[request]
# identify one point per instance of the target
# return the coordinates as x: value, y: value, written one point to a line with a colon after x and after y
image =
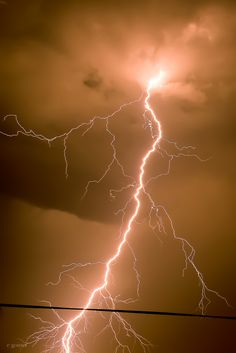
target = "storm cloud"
x: 64, y: 62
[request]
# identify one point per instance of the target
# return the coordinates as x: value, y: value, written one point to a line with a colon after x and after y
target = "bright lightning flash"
x: 66, y: 340
x: 67, y: 334
x: 157, y: 81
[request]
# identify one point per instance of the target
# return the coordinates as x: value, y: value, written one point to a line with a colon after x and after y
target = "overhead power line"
x: 122, y: 311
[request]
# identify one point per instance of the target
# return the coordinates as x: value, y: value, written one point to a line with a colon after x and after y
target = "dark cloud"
x: 93, y: 80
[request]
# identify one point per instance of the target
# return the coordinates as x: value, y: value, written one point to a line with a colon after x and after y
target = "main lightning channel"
x: 67, y: 337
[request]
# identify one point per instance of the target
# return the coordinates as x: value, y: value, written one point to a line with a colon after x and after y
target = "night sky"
x: 65, y: 62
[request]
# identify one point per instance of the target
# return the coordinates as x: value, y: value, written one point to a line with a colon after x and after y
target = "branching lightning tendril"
x: 67, y: 334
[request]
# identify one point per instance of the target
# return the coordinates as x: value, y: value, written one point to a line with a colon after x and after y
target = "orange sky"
x: 65, y: 62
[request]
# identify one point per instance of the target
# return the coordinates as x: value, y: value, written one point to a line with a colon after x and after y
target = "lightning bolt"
x: 69, y: 331
x: 66, y: 340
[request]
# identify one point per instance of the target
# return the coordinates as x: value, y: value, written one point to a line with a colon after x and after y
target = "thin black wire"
x: 124, y: 311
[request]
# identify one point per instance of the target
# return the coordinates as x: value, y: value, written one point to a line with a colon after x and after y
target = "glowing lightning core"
x: 66, y: 340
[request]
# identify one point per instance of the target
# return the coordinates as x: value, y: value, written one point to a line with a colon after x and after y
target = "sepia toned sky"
x: 64, y: 62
